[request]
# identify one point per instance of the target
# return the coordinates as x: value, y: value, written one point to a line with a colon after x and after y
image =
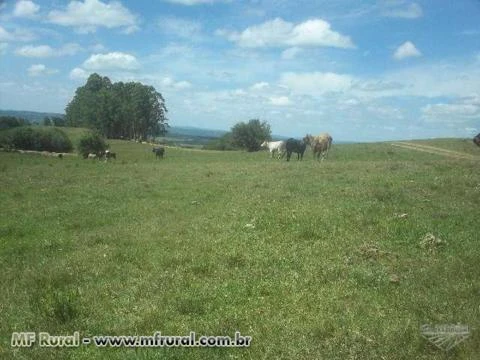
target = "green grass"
x: 137, y: 245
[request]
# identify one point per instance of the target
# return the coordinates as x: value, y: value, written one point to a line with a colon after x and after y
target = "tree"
x: 91, y: 143
x: 119, y: 110
x: 7, y: 122
x: 250, y: 135
x: 58, y: 121
x: 47, y: 121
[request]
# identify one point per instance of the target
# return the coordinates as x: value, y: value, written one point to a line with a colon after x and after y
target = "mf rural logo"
x: 445, y: 337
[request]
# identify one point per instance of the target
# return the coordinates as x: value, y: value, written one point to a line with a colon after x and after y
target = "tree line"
x: 118, y: 110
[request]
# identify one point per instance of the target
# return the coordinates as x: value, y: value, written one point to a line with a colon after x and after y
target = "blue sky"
x: 361, y: 70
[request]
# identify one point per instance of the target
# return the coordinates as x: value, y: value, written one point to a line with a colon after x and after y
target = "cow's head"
x: 476, y: 140
x: 308, y: 139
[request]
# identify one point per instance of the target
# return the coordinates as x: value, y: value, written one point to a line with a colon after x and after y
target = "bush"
x: 249, y: 136
x: 38, y: 139
x: 8, y: 122
x: 91, y: 143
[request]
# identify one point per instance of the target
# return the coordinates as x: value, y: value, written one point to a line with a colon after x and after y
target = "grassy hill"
x: 313, y: 260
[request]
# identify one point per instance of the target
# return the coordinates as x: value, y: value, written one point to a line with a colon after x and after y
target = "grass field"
x: 312, y: 260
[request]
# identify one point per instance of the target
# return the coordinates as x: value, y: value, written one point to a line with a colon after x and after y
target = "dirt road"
x: 436, y: 150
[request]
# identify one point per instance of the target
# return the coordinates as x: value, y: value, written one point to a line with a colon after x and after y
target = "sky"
x: 360, y: 70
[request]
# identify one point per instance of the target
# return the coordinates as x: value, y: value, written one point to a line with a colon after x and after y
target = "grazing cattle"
x: 159, y: 151
x: 275, y: 147
x: 476, y: 140
x: 92, y: 156
x: 110, y: 155
x: 320, y: 144
x: 296, y: 146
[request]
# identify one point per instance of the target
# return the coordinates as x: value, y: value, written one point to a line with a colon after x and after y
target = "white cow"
x: 275, y: 147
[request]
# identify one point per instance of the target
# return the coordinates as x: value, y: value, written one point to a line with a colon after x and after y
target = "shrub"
x: 38, y: 139
x: 249, y: 136
x: 8, y: 122
x: 91, y: 143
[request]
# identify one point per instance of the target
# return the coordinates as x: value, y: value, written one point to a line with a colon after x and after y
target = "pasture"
x: 312, y: 260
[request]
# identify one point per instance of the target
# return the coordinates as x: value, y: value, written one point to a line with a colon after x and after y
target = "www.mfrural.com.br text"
x: 45, y: 339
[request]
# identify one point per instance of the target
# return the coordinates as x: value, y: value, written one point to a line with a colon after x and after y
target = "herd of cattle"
x: 320, y: 145
x: 106, y: 155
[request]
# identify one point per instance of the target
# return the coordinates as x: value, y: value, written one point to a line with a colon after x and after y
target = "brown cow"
x: 320, y: 144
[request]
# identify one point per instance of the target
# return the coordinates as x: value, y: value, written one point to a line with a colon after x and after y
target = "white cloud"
x: 47, y: 51
x: 86, y: 16
x: 182, y: 85
x: 35, y: 51
x: 78, y: 74
x: 378, y: 85
x: 316, y: 83
x: 26, y: 8
x: 400, y: 9
x: 69, y: 49
x: 460, y: 111
x: 191, y: 2
x: 280, y: 33
x: 169, y: 82
x: 450, y: 112
x: 40, y: 69
x: 407, y: 49
x: 280, y: 100
x: 291, y: 53
x: 17, y: 35
x: 110, y: 61
x: 259, y: 86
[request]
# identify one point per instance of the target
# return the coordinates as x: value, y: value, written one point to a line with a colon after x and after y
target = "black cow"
x: 296, y: 146
x: 110, y: 155
x: 476, y: 140
x: 159, y: 151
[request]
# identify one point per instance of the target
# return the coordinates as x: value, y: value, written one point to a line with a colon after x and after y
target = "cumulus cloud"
x: 40, y: 69
x: 169, y: 82
x: 78, y: 74
x: 17, y: 35
x: 378, y: 85
x: 461, y: 110
x: 401, y: 9
x: 191, y: 2
x: 86, y: 16
x: 406, y: 50
x: 280, y: 33
x: 280, y: 100
x: 111, y: 61
x: 48, y: 51
x: 35, y: 51
x: 25, y: 8
x: 259, y: 86
x: 291, y: 53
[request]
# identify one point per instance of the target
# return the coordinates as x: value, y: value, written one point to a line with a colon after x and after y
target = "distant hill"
x: 31, y: 116
x: 186, y: 131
